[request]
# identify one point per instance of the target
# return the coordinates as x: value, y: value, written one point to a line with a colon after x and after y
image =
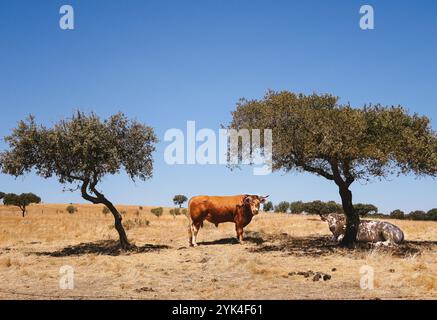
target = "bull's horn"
x: 265, y: 197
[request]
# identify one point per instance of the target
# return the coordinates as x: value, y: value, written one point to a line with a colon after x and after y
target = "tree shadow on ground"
x: 314, y: 246
x: 103, y: 247
x: 252, y: 239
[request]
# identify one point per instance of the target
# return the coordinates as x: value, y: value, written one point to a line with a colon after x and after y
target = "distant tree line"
x: 365, y: 210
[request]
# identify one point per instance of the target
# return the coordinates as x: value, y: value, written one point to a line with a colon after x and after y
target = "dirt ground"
x: 284, y: 257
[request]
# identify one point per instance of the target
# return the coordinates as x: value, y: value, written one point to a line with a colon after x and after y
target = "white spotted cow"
x: 378, y: 232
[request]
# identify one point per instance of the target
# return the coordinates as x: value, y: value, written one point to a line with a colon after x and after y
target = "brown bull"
x: 239, y: 209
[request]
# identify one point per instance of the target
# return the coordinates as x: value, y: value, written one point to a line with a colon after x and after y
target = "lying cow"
x: 379, y: 232
x: 239, y: 209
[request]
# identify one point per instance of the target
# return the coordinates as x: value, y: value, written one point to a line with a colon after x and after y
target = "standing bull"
x: 379, y: 232
x: 239, y: 209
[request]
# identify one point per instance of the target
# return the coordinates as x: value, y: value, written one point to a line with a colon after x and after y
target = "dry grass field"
x: 267, y: 266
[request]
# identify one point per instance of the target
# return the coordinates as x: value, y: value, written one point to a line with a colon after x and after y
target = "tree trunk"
x: 124, y: 242
x: 352, y: 218
x: 23, y: 211
x: 101, y: 199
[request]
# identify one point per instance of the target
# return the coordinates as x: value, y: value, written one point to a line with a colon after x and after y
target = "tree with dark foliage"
x: 364, y: 209
x: 179, y: 200
x: 397, y: 214
x: 21, y: 201
x: 81, y: 151
x: 268, y: 206
x: 282, y: 207
x: 314, y: 133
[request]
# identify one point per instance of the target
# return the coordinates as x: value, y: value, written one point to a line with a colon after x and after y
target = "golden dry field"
x: 267, y: 266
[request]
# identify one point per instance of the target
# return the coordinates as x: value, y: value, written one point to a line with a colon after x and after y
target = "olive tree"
x: 282, y: 207
x: 363, y: 209
x: 317, y: 134
x: 268, y: 206
x: 179, y: 200
x: 21, y: 201
x: 80, y: 151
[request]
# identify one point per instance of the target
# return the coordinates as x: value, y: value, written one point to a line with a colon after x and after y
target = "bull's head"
x: 336, y: 223
x: 252, y: 202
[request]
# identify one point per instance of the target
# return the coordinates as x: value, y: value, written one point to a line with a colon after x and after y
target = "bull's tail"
x: 190, y: 225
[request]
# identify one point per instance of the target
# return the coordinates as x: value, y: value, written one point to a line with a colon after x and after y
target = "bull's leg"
x: 194, y: 230
x: 239, y: 230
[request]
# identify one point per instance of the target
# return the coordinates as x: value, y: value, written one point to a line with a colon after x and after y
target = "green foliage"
x: 71, y: 209
x: 317, y: 134
x: 432, y: 214
x: 332, y: 207
x: 282, y: 207
x: 315, y: 207
x: 417, y: 215
x: 296, y: 207
x: 267, y: 206
x: 397, y: 214
x: 365, y: 209
x: 179, y: 199
x: 2, y: 195
x: 81, y: 148
x: 184, y: 211
x: 105, y: 210
x: 157, y: 211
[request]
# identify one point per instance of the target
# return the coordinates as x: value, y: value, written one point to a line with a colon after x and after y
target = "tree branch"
x: 319, y: 171
x: 336, y: 173
x: 85, y: 194
x: 347, y: 173
x: 93, y: 187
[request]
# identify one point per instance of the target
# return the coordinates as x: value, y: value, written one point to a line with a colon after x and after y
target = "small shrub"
x: 137, y: 213
x: 157, y: 211
x: 175, y: 212
x: 105, y: 210
x: 184, y: 211
x: 141, y: 207
x: 71, y: 209
x: 137, y: 222
x: 123, y: 212
x: 128, y: 224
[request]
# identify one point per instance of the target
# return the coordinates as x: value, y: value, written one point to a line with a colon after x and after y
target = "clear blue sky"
x: 166, y: 62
